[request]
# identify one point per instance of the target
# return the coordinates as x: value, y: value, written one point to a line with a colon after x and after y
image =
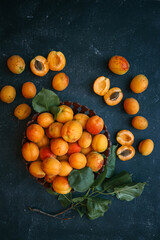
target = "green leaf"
x: 77, y: 199
x: 130, y: 191
x: 96, y: 207
x: 111, y: 161
x: 54, y: 110
x: 50, y: 191
x: 81, y: 180
x: 80, y: 210
x: 100, y: 178
x: 65, y: 199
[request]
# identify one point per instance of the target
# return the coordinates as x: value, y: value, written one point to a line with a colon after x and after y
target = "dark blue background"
x: 88, y: 33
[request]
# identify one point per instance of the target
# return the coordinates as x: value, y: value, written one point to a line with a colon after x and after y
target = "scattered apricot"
x: 30, y: 151
x: 77, y: 160
x: 99, y: 143
x: 95, y: 161
x: 45, y: 120
x: 146, y: 147
x: 50, y: 179
x: 95, y: 125
x: 66, y: 169
x: 29, y: 90
x: 101, y: 85
x: 61, y: 185
x: 85, y: 151
x: 22, y: 111
x: 85, y: 140
x: 139, y: 83
x: 82, y: 119
x: 73, y: 148
x: 125, y: 137
x: 63, y: 157
x: 35, y: 133
x: 55, y: 129
x: 71, y: 131
x: 65, y: 114
x: 36, y: 169
x: 125, y: 152
x: 139, y: 122
x: 39, y: 66
x: 113, y: 96
x: 44, y: 142
x: 60, y: 81
x: 8, y: 94
x: 59, y: 147
x: 131, y: 106
x: 56, y: 61
x: 16, y: 64
x: 51, y: 166
x: 45, y: 152
x: 118, y: 65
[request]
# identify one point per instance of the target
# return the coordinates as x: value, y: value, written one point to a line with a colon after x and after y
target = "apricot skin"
x: 61, y: 185
x: 55, y: 130
x: 59, y: 147
x: 85, y: 140
x: 22, y: 111
x: 101, y: 85
x: 73, y: 148
x: 99, y: 143
x: 29, y: 90
x: 8, y: 94
x: 51, y: 166
x: 139, y: 83
x: 118, y: 65
x: 35, y: 133
x: 63, y: 158
x: 44, y: 142
x: 66, y: 169
x: 30, y: 151
x: 131, y: 106
x: 65, y: 114
x: 95, y: 161
x: 45, y: 152
x: 82, y: 119
x: 71, y: 131
x: 36, y: 170
x: 146, y: 147
x: 139, y: 122
x: 49, y: 179
x: 16, y: 64
x: 45, y: 120
x: 56, y: 61
x: 60, y: 81
x: 77, y: 160
x: 125, y: 137
x: 85, y: 151
x: 95, y: 125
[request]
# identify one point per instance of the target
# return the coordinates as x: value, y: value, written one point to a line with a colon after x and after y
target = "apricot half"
x: 65, y: 114
x: 22, y: 111
x: 16, y: 64
x: 81, y: 118
x: 36, y: 169
x: 56, y: 61
x: 101, y: 85
x: 51, y: 166
x: 59, y: 147
x: 77, y: 160
x: 66, y: 169
x: 125, y: 152
x: 29, y: 90
x: 95, y: 125
x: 61, y: 185
x: 125, y: 137
x: 95, y: 161
x: 8, y: 94
x: 39, y: 66
x: 139, y: 83
x: 100, y: 143
x: 35, y: 133
x: 113, y: 96
x: 131, y: 106
x: 118, y: 65
x: 60, y: 81
x: 146, y: 147
x: 30, y: 151
x: 139, y: 122
x: 45, y: 120
x: 71, y: 131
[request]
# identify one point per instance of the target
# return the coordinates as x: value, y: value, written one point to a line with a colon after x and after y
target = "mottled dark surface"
x: 88, y: 33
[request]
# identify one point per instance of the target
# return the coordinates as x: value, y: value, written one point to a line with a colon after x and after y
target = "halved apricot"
x: 125, y: 152
x: 113, y: 96
x: 125, y: 137
x: 56, y: 61
x: 39, y: 66
x: 101, y: 85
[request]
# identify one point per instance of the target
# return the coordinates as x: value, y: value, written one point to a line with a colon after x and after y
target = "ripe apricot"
x: 113, y: 96
x: 61, y: 185
x: 30, y: 151
x: 118, y: 65
x: 36, y: 169
x: 101, y: 85
x: 99, y: 143
x: 45, y: 120
x: 22, y: 111
x: 44, y: 142
x: 95, y: 125
x: 16, y: 64
x: 95, y: 161
x: 29, y: 90
x: 55, y: 129
x: 66, y: 169
x: 59, y: 147
x: 131, y: 106
x: 45, y: 152
x: 146, y: 147
x: 51, y: 166
x: 125, y: 137
x: 47, y: 133
x: 85, y: 140
x: 82, y: 119
x: 77, y: 160
x: 56, y: 61
x: 39, y: 66
x: 71, y: 131
x: 60, y: 81
x: 125, y: 152
x: 139, y: 122
x: 8, y: 94
x: 85, y: 151
x: 63, y: 158
x: 35, y: 133
x: 73, y: 148
x: 65, y: 114
x: 50, y: 179
x: 139, y: 83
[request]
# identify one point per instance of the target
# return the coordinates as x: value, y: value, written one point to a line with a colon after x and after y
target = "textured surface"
x: 88, y: 33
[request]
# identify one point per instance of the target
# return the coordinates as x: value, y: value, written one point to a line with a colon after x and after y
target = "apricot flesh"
x: 45, y: 120
x: 101, y: 85
x: 125, y: 152
x: 125, y: 137
x: 77, y: 160
x: 39, y: 66
x: 113, y: 96
x: 51, y: 166
x: 82, y: 119
x: 22, y: 111
x: 95, y: 125
x: 29, y: 90
x: 60, y: 81
x: 139, y: 83
x: 131, y: 106
x: 146, y: 147
x: 16, y: 64
x: 30, y: 151
x: 8, y: 94
x: 65, y: 114
x: 61, y: 185
x: 139, y: 122
x: 85, y: 140
x: 118, y: 65
x: 56, y: 61
x: 100, y: 143
x: 71, y: 131
x: 55, y: 129
x: 35, y: 133
x: 95, y: 161
x: 36, y: 169
x: 59, y: 147
x: 66, y: 169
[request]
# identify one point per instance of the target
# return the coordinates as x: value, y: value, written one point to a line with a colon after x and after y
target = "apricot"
x: 44, y: 142
x: 16, y: 64
x: 131, y: 106
x: 59, y: 147
x: 55, y: 129
x: 30, y: 151
x: 85, y: 140
x: 61, y: 185
x: 45, y: 120
x: 71, y: 131
x: 8, y: 94
x: 39, y: 66
x: 66, y: 169
x: 146, y: 147
x: 118, y: 65
x: 101, y: 85
x: 47, y: 133
x: 82, y: 119
x: 113, y: 96
x: 45, y: 152
x: 36, y: 169
x: 95, y: 161
x: 139, y: 122
x: 56, y: 61
x: 65, y: 114
x: 60, y: 81
x: 73, y: 148
x: 50, y: 179
x: 22, y: 111
x: 77, y: 160
x: 35, y: 133
x: 85, y: 151
x: 125, y: 137
x: 100, y: 143
x: 29, y: 90
x: 139, y: 83
x: 95, y: 125
x: 63, y: 158
x: 125, y: 152
x: 51, y: 166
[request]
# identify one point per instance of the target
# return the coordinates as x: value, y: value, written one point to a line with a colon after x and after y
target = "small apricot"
x: 47, y: 133
x: 44, y: 142
x: 56, y: 61
x: 45, y: 120
x: 16, y: 64
x: 36, y: 169
x: 8, y: 94
x: 85, y: 151
x: 35, y: 133
x: 63, y: 158
x: 82, y: 119
x: 71, y: 131
x: 85, y: 140
x: 51, y: 166
x: 29, y: 90
x: 118, y: 65
x: 95, y: 125
x: 99, y: 143
x: 39, y: 66
x: 65, y: 114
x: 125, y: 152
x: 73, y: 148
x: 101, y: 85
x: 59, y: 147
x: 139, y: 122
x: 113, y: 96
x: 55, y: 129
x: 131, y: 106
x: 45, y: 152
x: 66, y: 169
x: 30, y: 151
x: 95, y: 161
x: 60, y: 81
x: 125, y: 137
x: 146, y: 147
x: 77, y: 160
x: 22, y: 111
x: 61, y: 185
x: 50, y: 179
x: 139, y: 83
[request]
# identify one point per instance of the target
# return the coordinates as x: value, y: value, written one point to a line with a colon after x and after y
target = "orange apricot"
x: 77, y: 160
x: 55, y: 129
x: 22, y: 111
x: 118, y: 65
x: 113, y: 96
x: 125, y: 137
x: 36, y: 169
x: 66, y: 169
x: 47, y: 133
x: 60, y: 81
x: 146, y: 147
x: 8, y: 94
x: 95, y: 125
x: 44, y: 142
x: 51, y: 166
x: 39, y: 66
x: 50, y: 179
x: 82, y: 119
x: 59, y: 147
x: 35, y: 133
x: 29, y: 90
x: 100, y: 143
x: 85, y: 151
x: 125, y: 152
x: 73, y: 148
x: 139, y: 83
x: 65, y: 114
x: 45, y: 152
x: 56, y: 61
x: 16, y: 64
x: 71, y: 131
x: 139, y: 122
x: 85, y: 140
x: 63, y: 157
x: 61, y: 185
x: 131, y: 106
x: 30, y: 151
x: 101, y: 85
x: 45, y: 120
x: 95, y: 161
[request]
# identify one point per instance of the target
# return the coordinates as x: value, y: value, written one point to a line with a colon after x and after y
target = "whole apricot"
x: 101, y: 85
x: 100, y: 143
x: 73, y: 148
x: 131, y: 106
x: 60, y: 81
x: 65, y: 114
x: 113, y: 96
x: 85, y: 151
x: 47, y: 133
x: 29, y: 90
x: 16, y: 64
x: 56, y: 61
x: 95, y: 125
x: 125, y: 152
x: 146, y: 147
x: 59, y: 147
x: 61, y: 185
x: 139, y: 122
x: 49, y: 179
x: 36, y: 169
x: 8, y: 94
x: 63, y: 158
x: 44, y: 142
x: 125, y: 137
x: 51, y: 166
x: 45, y: 152
x: 82, y: 119
x: 35, y: 133
x: 22, y: 111
x: 66, y: 169
x: 139, y: 83
x: 118, y: 65
x: 95, y: 161
x: 71, y: 131
x: 55, y: 129
x: 30, y: 151
x: 45, y: 120
x: 85, y: 140
x: 39, y: 66
x: 77, y: 160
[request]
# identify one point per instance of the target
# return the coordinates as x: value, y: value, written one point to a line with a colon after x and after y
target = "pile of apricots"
x: 55, y: 148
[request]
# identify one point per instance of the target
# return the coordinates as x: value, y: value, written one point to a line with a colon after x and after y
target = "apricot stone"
x: 125, y: 152
x: 113, y: 96
x: 39, y: 66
